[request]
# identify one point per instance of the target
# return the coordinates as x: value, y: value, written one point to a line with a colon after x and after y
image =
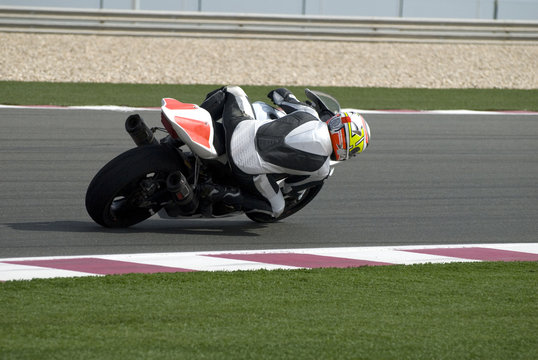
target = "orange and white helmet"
x: 350, y: 134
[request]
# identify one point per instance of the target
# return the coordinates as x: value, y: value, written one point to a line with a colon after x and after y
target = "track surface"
x: 426, y: 179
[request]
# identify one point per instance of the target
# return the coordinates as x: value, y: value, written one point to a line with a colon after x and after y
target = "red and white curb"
x: 74, y: 266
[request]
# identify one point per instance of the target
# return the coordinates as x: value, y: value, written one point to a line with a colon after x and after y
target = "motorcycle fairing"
x: 193, y: 126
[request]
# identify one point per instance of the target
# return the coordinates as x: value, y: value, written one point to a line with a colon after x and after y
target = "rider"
x: 299, y: 144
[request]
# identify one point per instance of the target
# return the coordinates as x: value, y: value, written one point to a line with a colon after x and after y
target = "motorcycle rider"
x: 300, y: 144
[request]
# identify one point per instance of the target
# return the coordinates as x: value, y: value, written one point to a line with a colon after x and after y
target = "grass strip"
x: 449, y: 311
x: 149, y: 95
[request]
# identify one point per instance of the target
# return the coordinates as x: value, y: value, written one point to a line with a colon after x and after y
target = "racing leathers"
x: 265, y: 143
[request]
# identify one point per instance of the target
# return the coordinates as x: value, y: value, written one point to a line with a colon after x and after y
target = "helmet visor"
x: 358, y: 140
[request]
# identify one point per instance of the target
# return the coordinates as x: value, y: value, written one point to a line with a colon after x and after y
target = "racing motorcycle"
x: 166, y: 176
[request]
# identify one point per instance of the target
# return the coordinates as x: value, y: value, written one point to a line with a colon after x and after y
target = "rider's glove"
x: 278, y: 96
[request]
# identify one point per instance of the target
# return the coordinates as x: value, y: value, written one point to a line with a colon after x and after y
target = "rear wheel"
x: 292, y: 206
x: 132, y: 186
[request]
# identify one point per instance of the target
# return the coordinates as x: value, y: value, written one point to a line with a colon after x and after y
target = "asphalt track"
x: 426, y: 179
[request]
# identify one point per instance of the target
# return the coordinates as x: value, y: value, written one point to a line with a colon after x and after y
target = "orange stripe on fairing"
x: 197, y: 130
x: 173, y: 104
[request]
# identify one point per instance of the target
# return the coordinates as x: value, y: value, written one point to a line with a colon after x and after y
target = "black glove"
x: 280, y: 95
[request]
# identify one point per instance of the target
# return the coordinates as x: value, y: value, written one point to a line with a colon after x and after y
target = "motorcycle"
x: 165, y: 176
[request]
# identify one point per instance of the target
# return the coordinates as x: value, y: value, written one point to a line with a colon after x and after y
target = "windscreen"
x: 325, y: 104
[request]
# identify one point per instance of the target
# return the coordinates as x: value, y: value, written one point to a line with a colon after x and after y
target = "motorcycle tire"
x: 291, y: 207
x: 112, y: 198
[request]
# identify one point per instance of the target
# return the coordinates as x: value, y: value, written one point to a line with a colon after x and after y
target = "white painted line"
x: 393, y: 256
x: 25, y: 272
x: 89, y: 107
x: 442, y: 112
x: 194, y: 261
x: 522, y: 247
x: 361, y: 111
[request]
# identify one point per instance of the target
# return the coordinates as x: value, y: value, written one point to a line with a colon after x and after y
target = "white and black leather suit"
x: 297, y: 144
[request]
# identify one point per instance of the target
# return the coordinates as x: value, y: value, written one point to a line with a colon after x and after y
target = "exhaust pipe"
x: 183, y: 194
x: 139, y: 131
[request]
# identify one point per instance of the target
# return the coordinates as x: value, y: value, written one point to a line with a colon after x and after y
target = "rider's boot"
x: 214, y: 103
x: 234, y: 197
x: 228, y: 195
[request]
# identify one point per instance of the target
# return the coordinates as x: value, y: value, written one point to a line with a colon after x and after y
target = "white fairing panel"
x: 193, y: 125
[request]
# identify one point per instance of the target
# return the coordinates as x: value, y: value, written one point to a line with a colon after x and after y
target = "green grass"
x: 450, y: 311
x: 40, y: 93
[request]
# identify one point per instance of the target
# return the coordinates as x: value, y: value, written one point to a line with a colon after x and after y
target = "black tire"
x: 111, y: 195
x: 291, y: 207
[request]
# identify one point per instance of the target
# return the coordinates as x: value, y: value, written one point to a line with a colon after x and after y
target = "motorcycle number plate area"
x: 193, y: 125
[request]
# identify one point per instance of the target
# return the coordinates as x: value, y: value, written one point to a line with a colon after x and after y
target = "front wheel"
x: 132, y: 186
x: 292, y: 206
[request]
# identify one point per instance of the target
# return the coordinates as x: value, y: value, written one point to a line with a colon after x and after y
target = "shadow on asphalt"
x: 185, y: 227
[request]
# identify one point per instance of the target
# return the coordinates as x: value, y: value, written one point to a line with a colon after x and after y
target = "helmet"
x: 350, y: 134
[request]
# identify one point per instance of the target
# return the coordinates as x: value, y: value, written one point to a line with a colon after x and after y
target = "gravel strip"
x: 124, y: 59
